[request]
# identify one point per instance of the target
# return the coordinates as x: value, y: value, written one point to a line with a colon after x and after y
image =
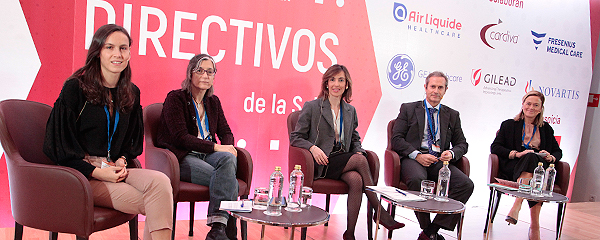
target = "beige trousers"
x: 144, y: 191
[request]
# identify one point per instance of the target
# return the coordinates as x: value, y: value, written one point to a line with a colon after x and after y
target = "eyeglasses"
x: 210, y: 71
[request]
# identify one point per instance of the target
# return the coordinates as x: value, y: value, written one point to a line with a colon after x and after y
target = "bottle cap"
x: 298, y: 167
x: 445, y: 162
x: 551, y: 164
x: 540, y: 164
x: 277, y: 168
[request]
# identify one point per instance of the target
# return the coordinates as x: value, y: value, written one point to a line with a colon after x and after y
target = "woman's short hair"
x: 539, y: 119
x: 192, y: 67
x: 332, y: 71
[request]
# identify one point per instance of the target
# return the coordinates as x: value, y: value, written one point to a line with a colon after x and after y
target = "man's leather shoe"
x: 217, y: 232
x: 423, y: 236
x: 231, y: 229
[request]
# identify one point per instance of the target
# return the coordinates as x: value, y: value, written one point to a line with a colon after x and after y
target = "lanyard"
x: 341, y: 122
x: 523, y: 137
x: 432, y: 128
x: 200, y: 123
x: 111, y: 134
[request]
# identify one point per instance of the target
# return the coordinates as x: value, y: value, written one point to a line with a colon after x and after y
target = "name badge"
x: 435, y: 148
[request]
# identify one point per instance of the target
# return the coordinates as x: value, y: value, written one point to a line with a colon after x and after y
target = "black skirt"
x: 337, y: 163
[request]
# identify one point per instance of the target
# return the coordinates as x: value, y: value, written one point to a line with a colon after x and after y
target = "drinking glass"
x: 306, y: 197
x: 261, y: 198
x: 427, y: 187
x: 524, y: 186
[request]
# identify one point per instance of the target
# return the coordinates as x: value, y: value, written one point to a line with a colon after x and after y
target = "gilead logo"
x: 475, y: 76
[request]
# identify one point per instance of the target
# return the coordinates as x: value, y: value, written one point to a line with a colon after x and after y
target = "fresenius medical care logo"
x: 497, y: 35
x: 428, y: 23
x: 538, y: 38
x: 400, y: 71
x: 556, y: 45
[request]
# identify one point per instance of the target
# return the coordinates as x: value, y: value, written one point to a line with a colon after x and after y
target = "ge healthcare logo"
x: 400, y: 71
x: 400, y: 12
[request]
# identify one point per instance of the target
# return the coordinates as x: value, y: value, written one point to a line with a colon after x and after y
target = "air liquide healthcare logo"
x: 427, y: 23
x: 493, y: 84
x: 400, y: 71
x: 553, y: 92
x: 497, y: 34
x: 556, y: 45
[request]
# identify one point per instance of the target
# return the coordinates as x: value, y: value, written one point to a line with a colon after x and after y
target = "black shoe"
x: 423, y: 236
x: 217, y: 232
x: 231, y: 229
x: 439, y: 237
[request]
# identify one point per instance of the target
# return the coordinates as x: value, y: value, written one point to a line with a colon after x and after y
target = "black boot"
x: 217, y: 232
x: 231, y: 229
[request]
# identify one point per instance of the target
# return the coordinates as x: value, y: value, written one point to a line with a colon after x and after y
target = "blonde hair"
x: 539, y: 119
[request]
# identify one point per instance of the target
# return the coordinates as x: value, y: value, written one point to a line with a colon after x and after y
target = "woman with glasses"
x: 327, y: 128
x: 520, y: 144
x: 192, y: 118
x: 96, y: 126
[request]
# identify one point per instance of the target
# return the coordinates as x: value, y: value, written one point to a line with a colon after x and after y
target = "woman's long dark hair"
x: 90, y: 75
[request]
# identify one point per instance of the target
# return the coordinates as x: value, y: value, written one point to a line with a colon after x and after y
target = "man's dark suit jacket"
x: 410, y: 124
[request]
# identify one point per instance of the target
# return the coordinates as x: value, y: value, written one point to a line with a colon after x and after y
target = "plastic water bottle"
x: 295, y: 192
x: 443, y: 183
x: 538, y: 180
x: 275, y: 193
x: 549, y: 177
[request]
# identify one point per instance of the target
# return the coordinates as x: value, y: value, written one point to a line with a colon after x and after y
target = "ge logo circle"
x: 400, y: 71
x: 399, y: 12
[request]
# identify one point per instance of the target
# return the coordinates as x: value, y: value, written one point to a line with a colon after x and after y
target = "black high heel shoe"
x: 511, y: 220
x: 347, y: 236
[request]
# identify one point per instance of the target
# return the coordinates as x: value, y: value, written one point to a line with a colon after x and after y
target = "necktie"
x: 430, y: 136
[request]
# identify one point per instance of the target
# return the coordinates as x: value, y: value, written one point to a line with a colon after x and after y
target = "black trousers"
x: 461, y: 188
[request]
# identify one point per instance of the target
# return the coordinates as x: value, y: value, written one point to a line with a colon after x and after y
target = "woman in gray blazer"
x: 327, y: 128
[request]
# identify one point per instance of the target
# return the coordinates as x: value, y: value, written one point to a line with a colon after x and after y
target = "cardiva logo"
x: 400, y: 71
x: 500, y: 36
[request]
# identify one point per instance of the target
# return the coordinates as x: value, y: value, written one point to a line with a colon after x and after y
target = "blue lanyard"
x: 341, y: 122
x: 432, y: 128
x: 111, y: 134
x: 523, y: 137
x: 200, y: 123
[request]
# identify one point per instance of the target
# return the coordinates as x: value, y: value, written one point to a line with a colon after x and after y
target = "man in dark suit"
x: 426, y: 133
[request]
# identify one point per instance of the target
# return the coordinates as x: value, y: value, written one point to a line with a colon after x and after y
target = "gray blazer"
x: 410, y: 124
x: 315, y: 127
